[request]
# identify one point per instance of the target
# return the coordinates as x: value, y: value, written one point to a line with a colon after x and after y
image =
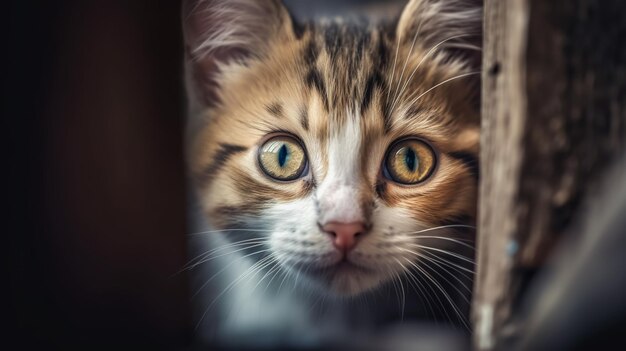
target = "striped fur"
x: 347, y: 90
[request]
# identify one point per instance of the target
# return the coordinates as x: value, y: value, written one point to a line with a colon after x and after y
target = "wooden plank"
x: 503, y: 120
x: 554, y: 118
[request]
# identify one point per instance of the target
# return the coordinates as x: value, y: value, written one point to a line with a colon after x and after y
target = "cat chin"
x: 345, y: 281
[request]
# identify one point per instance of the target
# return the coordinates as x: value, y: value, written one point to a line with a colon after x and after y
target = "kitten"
x: 334, y: 163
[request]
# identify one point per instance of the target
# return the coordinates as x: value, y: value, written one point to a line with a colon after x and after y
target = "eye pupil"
x: 283, y: 154
x: 410, y: 159
x: 282, y: 158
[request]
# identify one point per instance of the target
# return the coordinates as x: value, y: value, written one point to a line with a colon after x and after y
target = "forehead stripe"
x: 275, y: 109
x: 373, y: 82
x: 310, y: 53
x: 314, y: 80
x: 222, y: 155
x: 304, y: 117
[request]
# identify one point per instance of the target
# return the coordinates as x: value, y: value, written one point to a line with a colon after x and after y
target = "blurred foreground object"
x: 554, y: 95
x: 577, y: 302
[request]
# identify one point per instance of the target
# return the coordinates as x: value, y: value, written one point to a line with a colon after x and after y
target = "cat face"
x: 335, y: 144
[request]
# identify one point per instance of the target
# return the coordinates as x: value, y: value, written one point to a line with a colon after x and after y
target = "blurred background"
x: 93, y: 94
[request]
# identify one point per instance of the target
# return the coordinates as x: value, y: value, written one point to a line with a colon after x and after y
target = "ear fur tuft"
x: 455, y: 25
x: 221, y: 31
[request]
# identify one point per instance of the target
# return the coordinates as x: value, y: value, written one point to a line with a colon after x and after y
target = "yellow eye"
x: 410, y: 161
x: 282, y: 158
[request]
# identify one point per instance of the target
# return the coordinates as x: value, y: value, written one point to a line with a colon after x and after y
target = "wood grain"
x: 553, y: 119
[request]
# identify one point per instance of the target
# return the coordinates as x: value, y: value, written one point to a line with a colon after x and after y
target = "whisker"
x: 223, y: 269
x: 270, y: 271
x: 453, y: 254
x: 406, y: 61
x: 205, y: 256
x: 255, y: 268
x: 463, y: 46
x: 417, y: 288
x: 288, y: 272
x: 228, y: 230
x: 414, y: 282
x: 210, y: 258
x: 441, y: 306
x: 265, y: 275
x: 279, y: 270
x: 422, y: 61
x: 442, y: 83
x: 395, y: 59
x: 439, y: 228
x: 403, y: 297
x: 445, y: 294
x: 225, y: 246
x: 395, y: 288
x: 463, y: 284
x: 462, y: 270
x: 419, y: 255
x: 456, y: 241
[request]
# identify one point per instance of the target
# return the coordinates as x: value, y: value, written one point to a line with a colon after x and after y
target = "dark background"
x: 92, y: 107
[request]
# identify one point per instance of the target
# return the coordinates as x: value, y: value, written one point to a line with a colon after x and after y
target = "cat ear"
x: 222, y: 31
x: 452, y: 25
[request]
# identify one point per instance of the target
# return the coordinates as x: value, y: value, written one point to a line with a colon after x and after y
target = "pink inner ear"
x: 200, y: 22
x: 455, y: 25
x: 222, y: 31
x: 204, y: 72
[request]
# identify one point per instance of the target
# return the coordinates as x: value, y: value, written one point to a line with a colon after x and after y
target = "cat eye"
x: 282, y: 158
x: 409, y: 161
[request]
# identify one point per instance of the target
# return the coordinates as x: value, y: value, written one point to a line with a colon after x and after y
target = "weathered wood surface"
x: 503, y: 118
x: 554, y: 117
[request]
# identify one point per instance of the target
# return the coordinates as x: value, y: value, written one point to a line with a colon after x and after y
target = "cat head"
x: 335, y: 144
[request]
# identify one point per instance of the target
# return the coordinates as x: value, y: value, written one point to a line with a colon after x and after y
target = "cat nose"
x: 344, y: 235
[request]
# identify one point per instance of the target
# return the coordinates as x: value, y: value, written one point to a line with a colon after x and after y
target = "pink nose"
x: 344, y: 235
